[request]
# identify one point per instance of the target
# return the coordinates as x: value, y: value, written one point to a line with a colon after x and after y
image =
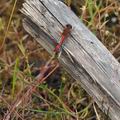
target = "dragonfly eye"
x: 69, y: 26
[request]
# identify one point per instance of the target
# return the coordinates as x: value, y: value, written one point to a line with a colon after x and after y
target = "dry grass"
x: 21, y: 59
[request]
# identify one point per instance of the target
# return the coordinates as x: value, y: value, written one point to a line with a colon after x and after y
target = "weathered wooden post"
x: 83, y: 55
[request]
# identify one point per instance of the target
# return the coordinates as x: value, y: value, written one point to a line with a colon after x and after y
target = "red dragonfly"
x: 64, y: 35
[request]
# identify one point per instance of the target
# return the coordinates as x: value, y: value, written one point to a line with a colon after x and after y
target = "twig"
x: 10, y: 106
x: 98, y: 118
x: 40, y: 78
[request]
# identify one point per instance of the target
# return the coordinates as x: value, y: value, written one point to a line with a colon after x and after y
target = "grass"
x: 9, y: 22
x: 16, y: 70
x: 93, y: 9
x: 23, y: 51
x: 22, y: 58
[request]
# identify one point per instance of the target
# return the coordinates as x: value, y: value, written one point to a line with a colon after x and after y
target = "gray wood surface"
x: 83, y: 55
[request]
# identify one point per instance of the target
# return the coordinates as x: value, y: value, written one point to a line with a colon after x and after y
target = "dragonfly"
x: 64, y: 35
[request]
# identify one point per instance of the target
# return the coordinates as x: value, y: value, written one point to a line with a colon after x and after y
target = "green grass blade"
x: 16, y: 69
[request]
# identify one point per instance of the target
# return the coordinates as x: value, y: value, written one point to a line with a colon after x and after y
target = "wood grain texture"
x: 83, y: 55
